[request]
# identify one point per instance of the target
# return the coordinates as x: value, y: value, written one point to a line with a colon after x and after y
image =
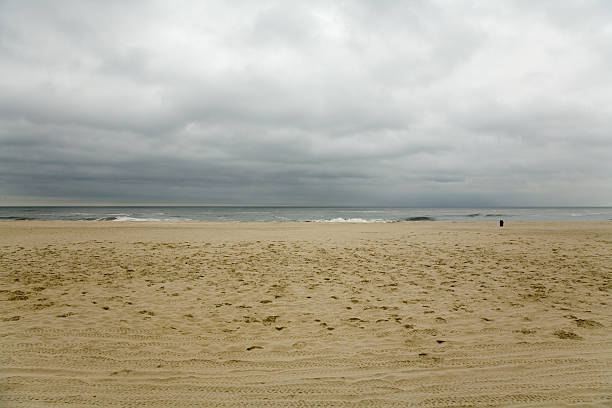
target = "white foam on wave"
x: 360, y: 220
x: 142, y: 219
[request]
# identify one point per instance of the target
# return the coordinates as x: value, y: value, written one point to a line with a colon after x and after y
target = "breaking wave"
x: 360, y: 220
x: 420, y: 219
x: 128, y: 218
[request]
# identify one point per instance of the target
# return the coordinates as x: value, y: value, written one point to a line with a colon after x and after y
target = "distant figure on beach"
x: 501, y: 223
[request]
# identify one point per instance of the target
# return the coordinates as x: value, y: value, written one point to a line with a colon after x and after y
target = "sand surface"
x: 310, y: 315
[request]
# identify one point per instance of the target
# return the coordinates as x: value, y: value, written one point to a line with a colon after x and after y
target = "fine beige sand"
x: 303, y: 314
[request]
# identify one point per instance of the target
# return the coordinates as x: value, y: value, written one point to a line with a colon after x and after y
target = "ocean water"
x: 305, y: 214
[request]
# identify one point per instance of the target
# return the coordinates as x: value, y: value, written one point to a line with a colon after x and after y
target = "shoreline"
x: 204, y: 222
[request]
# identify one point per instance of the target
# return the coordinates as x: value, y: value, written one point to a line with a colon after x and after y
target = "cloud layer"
x: 407, y: 103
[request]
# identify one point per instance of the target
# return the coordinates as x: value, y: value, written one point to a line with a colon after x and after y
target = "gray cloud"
x: 321, y: 103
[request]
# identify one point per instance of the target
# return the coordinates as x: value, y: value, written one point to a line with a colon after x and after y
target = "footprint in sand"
x: 269, y: 320
x: 122, y: 372
x: 562, y: 334
x: 526, y: 331
x: 147, y: 312
x: 17, y: 295
x: 586, y: 323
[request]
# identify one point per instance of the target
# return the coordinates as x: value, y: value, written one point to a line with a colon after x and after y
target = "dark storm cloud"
x: 368, y: 103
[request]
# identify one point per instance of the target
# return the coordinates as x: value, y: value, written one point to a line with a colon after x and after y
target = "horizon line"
x: 288, y: 205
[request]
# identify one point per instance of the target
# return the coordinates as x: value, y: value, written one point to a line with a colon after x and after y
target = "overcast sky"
x: 390, y: 103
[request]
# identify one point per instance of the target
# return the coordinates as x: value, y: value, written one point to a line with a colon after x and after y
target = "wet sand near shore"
x: 115, y: 314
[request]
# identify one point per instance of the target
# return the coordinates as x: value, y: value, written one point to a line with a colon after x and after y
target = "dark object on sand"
x: 501, y: 223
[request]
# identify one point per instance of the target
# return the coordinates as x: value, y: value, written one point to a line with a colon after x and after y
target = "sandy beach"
x: 305, y: 314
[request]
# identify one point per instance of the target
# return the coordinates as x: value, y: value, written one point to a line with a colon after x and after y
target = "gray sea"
x: 304, y: 214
